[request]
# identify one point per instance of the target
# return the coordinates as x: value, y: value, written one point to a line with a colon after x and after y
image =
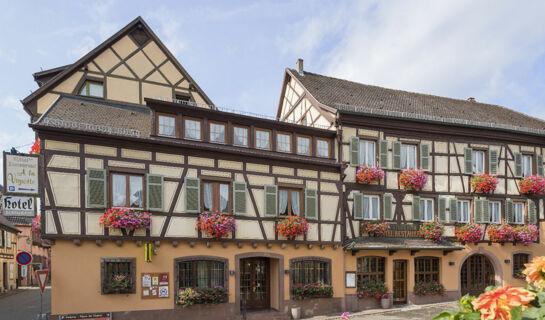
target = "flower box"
x: 371, y: 289
x: 37, y: 225
x: 375, y: 228
x: 413, y: 179
x: 484, y: 182
x: 428, y: 288
x: 189, y: 296
x: 312, y: 290
x: 368, y: 175
x: 532, y: 186
x: 468, y: 233
x: 500, y: 233
x: 292, y: 227
x: 525, y: 234
x: 216, y: 225
x: 119, y: 283
x: 125, y: 219
x: 432, y: 231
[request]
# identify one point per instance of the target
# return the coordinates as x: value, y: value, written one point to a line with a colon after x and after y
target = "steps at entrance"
x: 267, y: 314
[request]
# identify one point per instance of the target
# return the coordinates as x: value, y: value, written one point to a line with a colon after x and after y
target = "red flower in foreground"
x: 497, y: 303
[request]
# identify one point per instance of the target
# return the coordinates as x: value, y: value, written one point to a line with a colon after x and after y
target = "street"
x: 24, y: 304
x: 414, y: 312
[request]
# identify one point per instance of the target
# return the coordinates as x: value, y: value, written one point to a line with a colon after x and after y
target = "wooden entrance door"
x: 255, y: 283
x: 400, y: 280
x: 477, y: 273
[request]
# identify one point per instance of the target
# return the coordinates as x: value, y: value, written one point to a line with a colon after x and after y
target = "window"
x: 322, y: 148
x: 426, y: 210
x: 8, y: 239
x: 201, y: 274
x: 215, y: 196
x: 426, y: 269
x: 303, y: 145
x: 92, y: 89
x: 192, y: 129
x: 166, y: 125
x: 263, y: 139
x: 526, y: 165
x: 240, y: 136
x: 2, y: 232
x: 127, y: 190
x: 519, y: 260
x: 118, y: 275
x: 370, y: 269
x: 310, y: 271
x: 408, y: 156
x: 182, y: 98
x: 371, y: 208
x: 463, y: 208
x: 217, y: 132
x: 518, y: 212
x: 290, y: 202
x: 494, y: 207
x: 477, y: 159
x: 283, y: 142
x: 367, y: 153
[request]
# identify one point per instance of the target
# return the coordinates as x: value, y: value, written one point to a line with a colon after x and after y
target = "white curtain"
x: 207, y: 197
x: 295, y: 202
x: 374, y: 211
x: 283, y: 201
x: 224, y: 197
x: 119, y: 186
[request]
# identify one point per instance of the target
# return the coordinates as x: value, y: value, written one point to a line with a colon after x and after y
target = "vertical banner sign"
x: 21, y: 174
x: 149, y: 251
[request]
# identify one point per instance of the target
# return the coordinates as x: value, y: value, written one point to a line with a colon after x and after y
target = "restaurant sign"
x: 21, y: 174
x: 18, y: 206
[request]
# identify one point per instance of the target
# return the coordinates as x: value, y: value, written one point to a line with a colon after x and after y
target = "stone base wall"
x: 355, y: 304
x: 314, y: 307
x: 448, y: 296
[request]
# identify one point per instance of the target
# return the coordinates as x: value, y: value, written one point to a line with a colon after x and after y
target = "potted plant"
x: 484, y: 182
x: 432, y: 231
x: 413, y: 179
x: 296, y: 312
x: 500, y: 233
x: 125, y: 219
x: 385, y: 301
x: 532, y: 186
x: 525, y: 234
x: 292, y: 226
x: 119, y: 283
x: 217, y: 225
x: 468, y: 233
x: 375, y: 228
x: 367, y: 175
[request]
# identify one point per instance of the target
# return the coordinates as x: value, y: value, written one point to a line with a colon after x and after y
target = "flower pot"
x: 385, y: 303
x: 296, y: 313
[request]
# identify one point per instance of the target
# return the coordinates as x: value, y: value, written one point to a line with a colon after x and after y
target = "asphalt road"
x: 24, y: 304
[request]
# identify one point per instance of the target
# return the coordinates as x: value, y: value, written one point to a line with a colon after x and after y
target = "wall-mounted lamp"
x: 232, y: 272
x: 507, y: 261
x: 287, y: 271
x: 451, y: 263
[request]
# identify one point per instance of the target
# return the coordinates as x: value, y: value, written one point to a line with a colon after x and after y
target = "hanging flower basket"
x: 127, y: 219
x: 35, y: 149
x: 413, y: 179
x: 432, y: 231
x: 484, y: 182
x: 367, y: 175
x: 468, y: 233
x: 500, y: 233
x: 532, y: 186
x: 217, y: 225
x: 375, y: 228
x: 292, y: 227
x: 526, y: 234
x: 37, y: 225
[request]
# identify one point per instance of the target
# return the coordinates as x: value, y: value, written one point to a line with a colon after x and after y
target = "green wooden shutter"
x: 239, y: 197
x: 416, y: 208
x: 532, y: 214
x: 192, y: 194
x: 96, y: 188
x: 425, y: 157
x: 477, y: 211
x: 493, y: 161
x: 453, y: 210
x: 354, y: 151
x: 154, y: 192
x: 358, y: 206
x: 383, y: 154
x: 518, y: 164
x: 388, y: 206
x: 509, y: 211
x: 468, y: 161
x: 396, y: 155
x: 311, y: 204
x: 486, y: 211
x: 539, y: 165
x: 271, y: 201
x: 442, y: 205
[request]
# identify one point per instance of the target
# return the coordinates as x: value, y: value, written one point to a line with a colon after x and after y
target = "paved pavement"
x: 424, y: 312
x: 24, y: 304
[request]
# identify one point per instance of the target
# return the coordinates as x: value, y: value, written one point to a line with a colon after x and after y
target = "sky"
x: 237, y: 50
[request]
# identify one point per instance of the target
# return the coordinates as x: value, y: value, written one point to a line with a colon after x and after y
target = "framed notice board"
x: 154, y: 285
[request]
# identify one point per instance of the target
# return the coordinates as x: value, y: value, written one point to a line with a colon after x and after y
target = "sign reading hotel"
x: 21, y: 175
x: 18, y: 206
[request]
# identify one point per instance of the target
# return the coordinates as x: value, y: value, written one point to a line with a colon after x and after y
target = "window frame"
x: 270, y: 138
x: 127, y: 174
x: 416, y: 154
x: 9, y: 240
x: 523, y: 213
x: 375, y: 158
x: 499, y: 203
x: 196, y: 259
x: 422, y: 214
x: 518, y: 266
x: 484, y: 160
x: 216, y: 193
x: 233, y: 127
x: 314, y: 260
x: 377, y: 275
x: 184, y: 136
x: 289, y: 208
x: 225, y: 133
x: 178, y: 95
x: 369, y: 196
x: 86, y: 84
x: 459, y: 208
x: 328, y: 141
x: 104, y: 275
x: 432, y: 273
x: 278, y: 134
x: 532, y: 163
x: 310, y: 149
x: 170, y: 115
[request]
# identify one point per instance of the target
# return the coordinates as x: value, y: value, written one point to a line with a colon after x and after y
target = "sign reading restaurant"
x: 18, y: 206
x: 21, y: 174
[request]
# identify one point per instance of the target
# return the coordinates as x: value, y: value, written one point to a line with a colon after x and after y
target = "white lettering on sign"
x: 18, y: 206
x: 21, y: 174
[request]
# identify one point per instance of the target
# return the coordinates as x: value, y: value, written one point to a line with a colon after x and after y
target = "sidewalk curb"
x: 412, y: 307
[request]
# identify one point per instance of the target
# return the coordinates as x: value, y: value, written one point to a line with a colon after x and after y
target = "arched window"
x: 371, y: 269
x: 426, y: 269
x: 311, y: 270
x: 519, y: 259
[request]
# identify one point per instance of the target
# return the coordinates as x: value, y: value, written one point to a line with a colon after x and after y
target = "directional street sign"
x: 23, y: 258
x: 42, y: 278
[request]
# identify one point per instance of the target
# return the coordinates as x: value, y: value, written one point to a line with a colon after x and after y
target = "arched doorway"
x: 476, y: 274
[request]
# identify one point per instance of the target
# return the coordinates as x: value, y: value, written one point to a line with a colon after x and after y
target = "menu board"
x: 154, y: 285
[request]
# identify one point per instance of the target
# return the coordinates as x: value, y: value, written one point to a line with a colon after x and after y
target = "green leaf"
x: 516, y: 313
x: 464, y: 304
x: 490, y: 288
x: 445, y: 315
x: 532, y: 313
x: 470, y: 316
x: 541, y: 298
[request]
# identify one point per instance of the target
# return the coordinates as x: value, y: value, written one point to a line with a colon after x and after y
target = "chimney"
x: 471, y: 99
x: 299, y: 66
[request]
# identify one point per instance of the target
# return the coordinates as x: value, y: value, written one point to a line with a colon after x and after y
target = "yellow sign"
x: 149, y: 251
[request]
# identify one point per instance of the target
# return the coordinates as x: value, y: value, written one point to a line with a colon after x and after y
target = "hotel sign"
x: 18, y: 206
x: 21, y: 174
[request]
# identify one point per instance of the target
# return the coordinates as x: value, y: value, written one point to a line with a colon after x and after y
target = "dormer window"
x: 92, y: 88
x: 166, y: 125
